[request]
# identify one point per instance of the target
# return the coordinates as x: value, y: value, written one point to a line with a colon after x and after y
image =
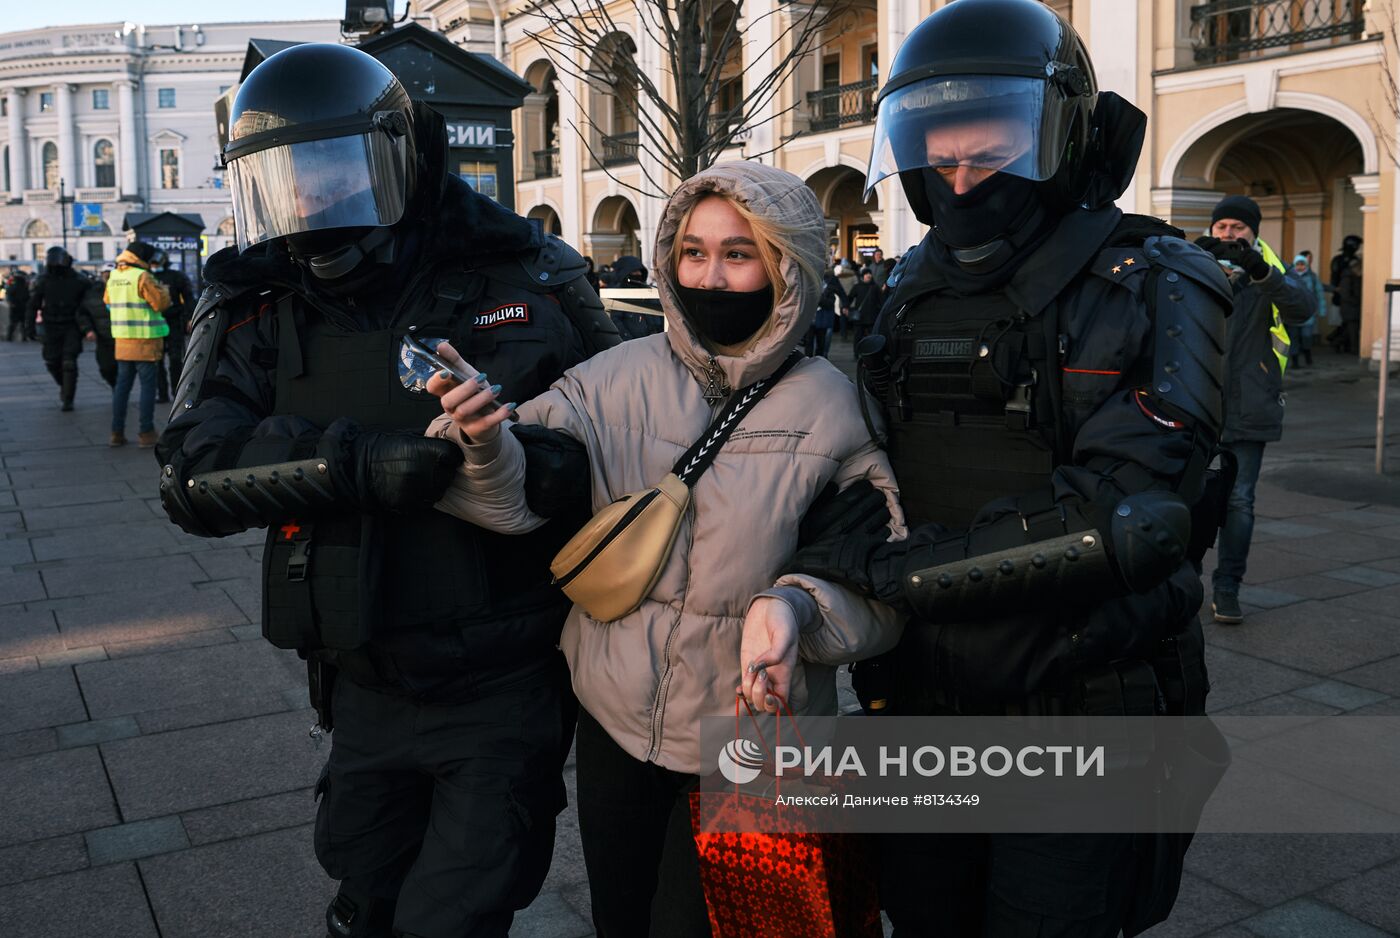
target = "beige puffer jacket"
x: 649, y: 677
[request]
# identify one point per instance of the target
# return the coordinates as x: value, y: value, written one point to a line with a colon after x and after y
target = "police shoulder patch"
x: 502, y: 315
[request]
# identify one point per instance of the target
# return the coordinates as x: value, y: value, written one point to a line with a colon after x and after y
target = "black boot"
x: 69, y: 385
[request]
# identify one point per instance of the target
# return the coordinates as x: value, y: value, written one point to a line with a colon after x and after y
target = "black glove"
x: 860, y: 509
x: 392, y: 472
x: 1238, y: 252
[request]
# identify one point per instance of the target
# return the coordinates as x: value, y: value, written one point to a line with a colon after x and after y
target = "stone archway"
x: 615, y: 231
x: 852, y: 221
x: 548, y: 219
x: 541, y: 130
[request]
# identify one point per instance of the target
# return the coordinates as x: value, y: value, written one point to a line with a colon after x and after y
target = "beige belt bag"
x: 614, y: 561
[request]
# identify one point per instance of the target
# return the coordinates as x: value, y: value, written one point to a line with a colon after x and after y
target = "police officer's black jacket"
x: 59, y: 293
x: 181, y: 296
x: 1096, y: 418
x: 274, y: 362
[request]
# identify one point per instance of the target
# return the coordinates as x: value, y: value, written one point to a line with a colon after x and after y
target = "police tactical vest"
x: 132, y: 316
x: 969, y: 419
x: 339, y: 580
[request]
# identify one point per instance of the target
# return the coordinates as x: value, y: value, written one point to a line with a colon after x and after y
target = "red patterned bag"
x: 788, y: 883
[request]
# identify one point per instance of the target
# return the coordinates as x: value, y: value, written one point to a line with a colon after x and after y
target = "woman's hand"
x: 768, y: 653
x: 469, y: 405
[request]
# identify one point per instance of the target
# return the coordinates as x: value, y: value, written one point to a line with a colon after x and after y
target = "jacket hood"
x: 769, y: 193
x: 131, y: 260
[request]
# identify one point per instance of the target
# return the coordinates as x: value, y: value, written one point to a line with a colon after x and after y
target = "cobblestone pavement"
x: 154, y: 758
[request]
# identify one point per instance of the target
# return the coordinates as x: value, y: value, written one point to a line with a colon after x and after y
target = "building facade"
x: 120, y: 118
x: 1289, y: 101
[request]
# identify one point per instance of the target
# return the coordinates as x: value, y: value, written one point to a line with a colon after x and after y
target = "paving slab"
x: 131, y: 616
x: 1308, y: 918
x: 21, y: 587
x: 1367, y: 576
x: 1345, y: 547
x: 172, y: 574
x: 280, y: 889
x: 15, y: 551
x: 254, y: 816
x: 1381, y: 676
x: 228, y: 564
x: 1315, y: 636
x: 1372, y: 516
x: 53, y: 793
x: 218, y: 710
x: 99, y: 903
x: 72, y: 656
x: 148, y: 538
x: 135, y: 840
x: 1269, y: 562
x: 1200, y: 907
x: 1321, y: 585
x: 185, y: 678
x: 183, y: 770
x: 1339, y: 694
x: 173, y: 641
x: 1271, y: 869
x: 42, y: 858
x: 80, y: 516
x: 1238, y: 678
x: 32, y: 699
x: 60, y: 496
x: 1373, y: 897
x: 549, y: 916
x: 26, y: 633
x: 28, y: 743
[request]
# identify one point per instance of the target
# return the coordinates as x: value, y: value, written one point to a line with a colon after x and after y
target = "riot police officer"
x: 1050, y: 373
x: 301, y: 409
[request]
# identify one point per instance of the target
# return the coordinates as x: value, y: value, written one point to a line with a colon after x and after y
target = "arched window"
x: 38, y: 228
x: 226, y: 228
x: 48, y: 158
x: 104, y: 165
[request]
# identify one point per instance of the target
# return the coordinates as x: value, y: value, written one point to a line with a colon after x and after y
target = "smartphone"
x: 462, y: 374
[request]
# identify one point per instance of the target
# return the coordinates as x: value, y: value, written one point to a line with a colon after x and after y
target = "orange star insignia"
x: 1118, y: 270
x: 1129, y: 262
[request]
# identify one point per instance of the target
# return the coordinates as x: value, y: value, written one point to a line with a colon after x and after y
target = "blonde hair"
x: 770, y: 236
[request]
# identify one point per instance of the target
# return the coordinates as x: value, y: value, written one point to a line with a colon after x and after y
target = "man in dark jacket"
x: 865, y: 305
x: 1256, y: 354
x: 1349, y: 303
x: 17, y: 298
x: 818, y: 338
x: 1051, y: 384
x: 59, y: 295
x: 303, y: 410
x: 177, y: 316
x: 96, y: 321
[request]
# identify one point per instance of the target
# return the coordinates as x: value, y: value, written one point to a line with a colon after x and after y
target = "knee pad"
x: 353, y: 914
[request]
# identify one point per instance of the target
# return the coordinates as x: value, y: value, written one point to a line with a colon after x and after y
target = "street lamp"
x: 62, y: 215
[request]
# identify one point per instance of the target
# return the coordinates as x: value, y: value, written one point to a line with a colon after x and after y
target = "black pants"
x: 17, y: 325
x: 1006, y: 885
x: 638, y: 844
x: 105, y: 351
x: 175, y: 360
x: 447, y: 809
x: 63, y: 343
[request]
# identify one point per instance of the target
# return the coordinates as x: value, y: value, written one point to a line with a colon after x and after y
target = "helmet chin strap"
x: 378, y: 245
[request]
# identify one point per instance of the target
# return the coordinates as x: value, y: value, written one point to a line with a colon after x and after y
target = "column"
x: 758, y: 53
x: 1375, y: 270
x: 1308, y: 211
x: 571, y: 221
x: 19, y: 146
x: 1188, y: 209
x: 654, y: 172
x: 1273, y: 225
x: 67, y: 164
x: 127, y: 179
x: 534, y: 135
x: 1116, y: 67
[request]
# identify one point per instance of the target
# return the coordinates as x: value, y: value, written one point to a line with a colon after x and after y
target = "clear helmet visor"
x: 999, y: 123
x: 355, y: 181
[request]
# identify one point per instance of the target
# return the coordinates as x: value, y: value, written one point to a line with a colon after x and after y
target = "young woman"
x: 739, y: 251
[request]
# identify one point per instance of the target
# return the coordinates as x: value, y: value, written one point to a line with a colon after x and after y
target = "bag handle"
x: 699, y: 457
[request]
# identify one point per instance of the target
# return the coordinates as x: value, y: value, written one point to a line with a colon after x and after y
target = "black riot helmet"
x: 321, y: 153
x: 57, y: 257
x: 1006, y: 86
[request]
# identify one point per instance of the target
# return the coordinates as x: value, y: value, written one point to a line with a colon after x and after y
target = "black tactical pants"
x: 174, y: 360
x: 1006, y: 885
x: 448, y: 809
x: 62, y: 346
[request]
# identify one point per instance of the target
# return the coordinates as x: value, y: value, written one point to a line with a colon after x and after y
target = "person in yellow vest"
x: 1267, y: 305
x: 135, y: 300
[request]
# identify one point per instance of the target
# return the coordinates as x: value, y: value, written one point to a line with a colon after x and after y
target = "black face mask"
x: 995, y: 209
x: 725, y: 317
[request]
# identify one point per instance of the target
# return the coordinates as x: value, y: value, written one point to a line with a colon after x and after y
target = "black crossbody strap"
x: 699, y: 457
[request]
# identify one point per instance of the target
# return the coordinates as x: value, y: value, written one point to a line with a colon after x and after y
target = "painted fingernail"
x: 481, y: 378
x: 444, y: 374
x: 495, y: 389
x: 511, y: 407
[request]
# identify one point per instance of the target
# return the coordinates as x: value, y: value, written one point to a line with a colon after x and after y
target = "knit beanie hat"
x: 1240, y: 208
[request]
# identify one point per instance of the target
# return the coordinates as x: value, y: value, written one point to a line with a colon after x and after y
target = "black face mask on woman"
x: 725, y: 317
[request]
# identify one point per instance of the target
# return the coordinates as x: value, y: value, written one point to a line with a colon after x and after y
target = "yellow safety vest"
x: 1278, y: 334
x: 132, y: 316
